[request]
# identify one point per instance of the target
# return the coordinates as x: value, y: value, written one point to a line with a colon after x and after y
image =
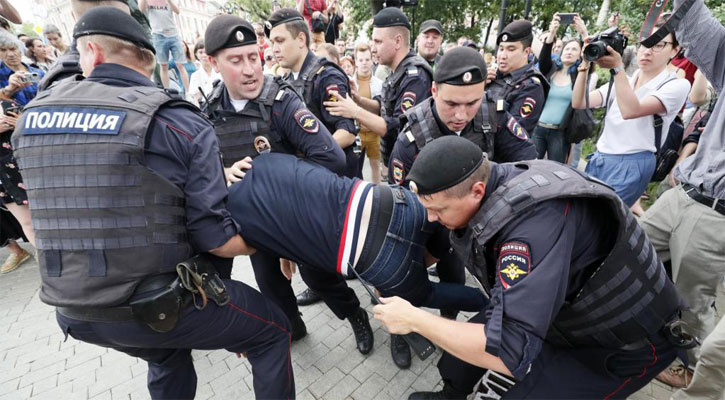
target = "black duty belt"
x: 123, y: 313
x: 380, y: 215
x: 716, y: 204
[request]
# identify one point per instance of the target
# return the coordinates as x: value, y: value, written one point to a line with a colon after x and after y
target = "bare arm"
x: 173, y: 6
x: 9, y: 12
x: 235, y: 246
x: 301, y: 6
x: 698, y: 92
x: 143, y: 5
x: 343, y: 138
x: 577, y: 98
x: 630, y: 106
x: 463, y: 340
x: 345, y: 107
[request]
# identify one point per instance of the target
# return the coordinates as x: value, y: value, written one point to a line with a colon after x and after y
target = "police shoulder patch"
x: 527, y: 107
x: 398, y: 171
x: 329, y: 90
x: 516, y: 129
x: 408, y: 101
x: 307, y: 121
x: 514, y: 263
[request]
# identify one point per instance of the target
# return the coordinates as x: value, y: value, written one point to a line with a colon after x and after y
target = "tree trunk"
x: 603, y: 12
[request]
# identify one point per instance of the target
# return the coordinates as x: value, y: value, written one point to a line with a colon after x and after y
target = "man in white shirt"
x: 203, y: 79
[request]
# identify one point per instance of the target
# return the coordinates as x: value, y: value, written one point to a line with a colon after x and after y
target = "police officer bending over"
x: 516, y: 89
x: 127, y: 186
x: 580, y: 304
x: 456, y: 108
x: 317, y: 79
x: 255, y: 114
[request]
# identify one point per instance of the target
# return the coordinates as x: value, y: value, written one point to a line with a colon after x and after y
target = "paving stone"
x: 325, y: 383
x: 20, y: 394
x: 342, y: 389
x: 305, y: 395
x: 45, y: 385
x: 9, y: 386
x: 62, y: 392
x: 329, y: 360
x: 124, y: 389
x: 309, y: 358
x: 304, y: 377
x: 370, y: 389
x: 35, y: 376
x: 400, y: 383
x: 107, y: 378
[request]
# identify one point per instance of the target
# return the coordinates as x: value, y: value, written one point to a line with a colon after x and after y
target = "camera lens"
x: 595, y: 50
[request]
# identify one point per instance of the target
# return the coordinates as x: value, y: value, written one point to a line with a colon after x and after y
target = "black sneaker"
x: 308, y: 297
x: 362, y: 330
x: 400, y: 351
x: 448, y: 393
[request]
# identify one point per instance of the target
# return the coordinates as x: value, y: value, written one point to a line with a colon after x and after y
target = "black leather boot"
x: 362, y: 330
x: 400, y: 351
x: 308, y: 297
x: 299, y: 329
x: 448, y: 393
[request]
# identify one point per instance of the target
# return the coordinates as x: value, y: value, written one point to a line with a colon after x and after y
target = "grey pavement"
x: 36, y: 362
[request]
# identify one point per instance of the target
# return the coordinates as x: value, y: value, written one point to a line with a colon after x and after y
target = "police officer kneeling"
x: 580, y: 304
x: 127, y: 187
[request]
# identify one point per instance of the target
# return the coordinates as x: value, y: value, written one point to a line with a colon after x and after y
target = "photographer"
x: 18, y: 81
x: 625, y: 156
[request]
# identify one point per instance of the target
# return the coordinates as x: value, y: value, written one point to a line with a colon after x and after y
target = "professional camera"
x: 598, y: 45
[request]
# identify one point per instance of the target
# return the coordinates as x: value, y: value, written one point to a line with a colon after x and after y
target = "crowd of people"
x: 151, y: 172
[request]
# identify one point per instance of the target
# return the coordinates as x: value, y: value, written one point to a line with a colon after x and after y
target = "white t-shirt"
x: 201, y: 79
x: 161, y: 18
x: 239, y: 104
x: 636, y: 135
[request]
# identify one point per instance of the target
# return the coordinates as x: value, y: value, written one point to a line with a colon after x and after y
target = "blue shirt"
x: 23, y: 96
x: 292, y: 208
x: 556, y: 104
x: 182, y: 147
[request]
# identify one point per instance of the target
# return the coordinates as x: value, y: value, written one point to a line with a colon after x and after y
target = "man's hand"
x: 342, y: 106
x: 288, y: 268
x: 7, y: 122
x: 236, y: 172
x: 612, y: 60
x: 396, y: 314
x: 491, y: 74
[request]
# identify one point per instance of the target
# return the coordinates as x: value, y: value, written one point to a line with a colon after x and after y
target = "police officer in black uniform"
x: 254, y: 114
x: 456, y: 109
x: 580, y: 303
x: 516, y: 89
x: 317, y: 79
x: 127, y: 185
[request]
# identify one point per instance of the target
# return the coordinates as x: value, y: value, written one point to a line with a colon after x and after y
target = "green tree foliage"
x: 259, y: 10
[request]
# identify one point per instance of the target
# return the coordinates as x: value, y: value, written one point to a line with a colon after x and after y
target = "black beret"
x: 460, y: 66
x: 515, y: 31
x: 281, y: 16
x: 226, y: 31
x: 111, y: 21
x: 444, y: 163
x: 390, y: 16
x: 431, y: 24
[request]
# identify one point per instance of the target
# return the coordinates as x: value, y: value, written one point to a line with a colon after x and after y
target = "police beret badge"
x: 505, y: 37
x: 307, y: 121
x: 467, y: 77
x: 408, y: 101
x: 240, y: 36
x: 268, y: 25
x: 413, y: 187
x: 514, y: 263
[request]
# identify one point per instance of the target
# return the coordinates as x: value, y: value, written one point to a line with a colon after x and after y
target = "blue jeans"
x: 165, y: 45
x: 399, y: 268
x: 627, y: 174
x: 550, y: 142
x: 576, y: 155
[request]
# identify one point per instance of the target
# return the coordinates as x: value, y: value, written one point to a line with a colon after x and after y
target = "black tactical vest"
x: 66, y: 66
x: 103, y: 219
x: 248, y: 132
x: 409, y: 66
x: 423, y: 127
x: 626, y: 299
x: 305, y: 82
x: 504, y: 89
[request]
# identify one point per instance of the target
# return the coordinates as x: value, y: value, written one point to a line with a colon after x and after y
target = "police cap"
x: 226, y: 31
x: 111, y: 21
x: 390, y: 16
x: 431, y: 25
x: 516, y: 31
x: 281, y: 16
x: 444, y: 163
x: 460, y: 66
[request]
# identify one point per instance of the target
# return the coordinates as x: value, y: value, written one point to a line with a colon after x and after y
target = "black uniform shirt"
x: 526, y: 101
x: 538, y: 261
x: 288, y: 119
x: 181, y: 146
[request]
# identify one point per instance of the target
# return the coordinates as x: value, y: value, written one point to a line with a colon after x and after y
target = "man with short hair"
x: 407, y: 85
x: 429, y: 40
x: 577, y: 292
x: 340, y: 45
x: 255, y: 114
x: 516, y: 89
x: 368, y: 86
x: 166, y: 37
x: 143, y: 196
